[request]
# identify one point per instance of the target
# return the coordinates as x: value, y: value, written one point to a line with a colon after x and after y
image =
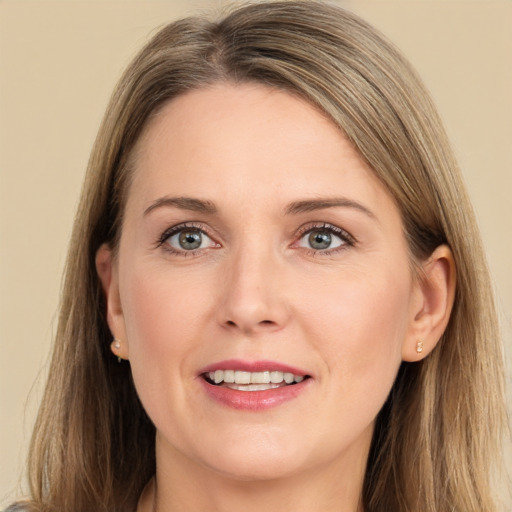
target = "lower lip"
x: 254, y: 400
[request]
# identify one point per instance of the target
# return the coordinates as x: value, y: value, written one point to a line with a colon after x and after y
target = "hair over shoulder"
x: 437, y: 439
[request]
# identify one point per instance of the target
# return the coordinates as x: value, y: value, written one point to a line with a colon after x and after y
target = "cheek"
x: 163, y: 328
x: 159, y: 309
x: 162, y: 319
x: 362, y: 325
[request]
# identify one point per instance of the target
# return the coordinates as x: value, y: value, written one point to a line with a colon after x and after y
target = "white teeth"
x: 229, y: 376
x: 260, y: 377
x: 242, y: 377
x: 288, y: 378
x: 257, y: 378
x: 276, y: 377
x: 253, y: 387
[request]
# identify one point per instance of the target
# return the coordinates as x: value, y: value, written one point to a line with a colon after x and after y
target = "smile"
x: 253, y: 385
x: 252, y: 381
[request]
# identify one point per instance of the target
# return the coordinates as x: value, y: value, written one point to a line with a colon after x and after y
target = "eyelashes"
x: 186, y: 239
x: 192, y: 239
x: 324, y: 237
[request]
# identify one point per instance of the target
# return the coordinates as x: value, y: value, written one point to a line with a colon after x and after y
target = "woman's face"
x: 257, y: 246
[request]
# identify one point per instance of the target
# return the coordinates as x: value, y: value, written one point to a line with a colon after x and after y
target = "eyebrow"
x: 311, y: 205
x: 183, y: 203
x: 294, y: 208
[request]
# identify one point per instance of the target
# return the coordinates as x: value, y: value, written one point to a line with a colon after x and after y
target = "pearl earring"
x: 115, y: 346
x: 419, y: 347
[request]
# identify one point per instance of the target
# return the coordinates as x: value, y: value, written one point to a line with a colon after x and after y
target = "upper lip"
x: 252, y: 366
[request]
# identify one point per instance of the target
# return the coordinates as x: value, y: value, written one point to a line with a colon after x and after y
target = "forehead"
x: 247, y: 141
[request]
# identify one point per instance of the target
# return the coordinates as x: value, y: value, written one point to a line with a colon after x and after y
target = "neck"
x: 184, y: 486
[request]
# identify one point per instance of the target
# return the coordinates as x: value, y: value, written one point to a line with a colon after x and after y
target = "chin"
x: 258, y: 470
x: 264, y: 459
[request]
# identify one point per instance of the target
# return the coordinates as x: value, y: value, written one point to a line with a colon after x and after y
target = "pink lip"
x: 253, y: 400
x: 252, y: 366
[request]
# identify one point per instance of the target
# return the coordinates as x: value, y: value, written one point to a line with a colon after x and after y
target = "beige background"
x: 59, y: 61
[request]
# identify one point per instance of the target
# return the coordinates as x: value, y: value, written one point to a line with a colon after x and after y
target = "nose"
x: 252, y: 293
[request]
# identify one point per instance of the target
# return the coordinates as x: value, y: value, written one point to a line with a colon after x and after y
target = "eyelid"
x: 173, y: 230
x: 348, y: 239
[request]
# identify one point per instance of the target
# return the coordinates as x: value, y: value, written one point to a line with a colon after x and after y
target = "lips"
x: 255, y: 385
x: 252, y: 381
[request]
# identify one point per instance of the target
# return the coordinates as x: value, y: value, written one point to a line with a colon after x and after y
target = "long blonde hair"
x: 438, y: 434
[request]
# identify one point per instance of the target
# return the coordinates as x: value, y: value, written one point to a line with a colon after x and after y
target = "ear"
x: 432, y: 304
x: 107, y: 269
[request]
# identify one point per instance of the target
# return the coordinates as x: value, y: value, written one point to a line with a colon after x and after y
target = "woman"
x: 276, y: 291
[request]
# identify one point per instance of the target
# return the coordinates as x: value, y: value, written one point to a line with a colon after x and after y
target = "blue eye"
x: 187, y: 239
x: 324, y: 238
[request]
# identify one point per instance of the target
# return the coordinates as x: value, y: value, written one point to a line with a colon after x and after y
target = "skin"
x: 255, y: 289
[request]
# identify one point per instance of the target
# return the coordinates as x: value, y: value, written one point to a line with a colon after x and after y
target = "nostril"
x: 263, y: 322
x: 250, y: 326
